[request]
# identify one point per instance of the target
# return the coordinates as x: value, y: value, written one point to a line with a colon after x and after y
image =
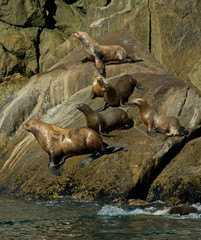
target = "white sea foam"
x: 110, y: 210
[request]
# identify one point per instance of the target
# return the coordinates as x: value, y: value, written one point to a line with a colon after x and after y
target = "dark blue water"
x: 75, y: 219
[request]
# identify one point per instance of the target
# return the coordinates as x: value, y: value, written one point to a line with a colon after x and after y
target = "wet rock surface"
x: 52, y: 96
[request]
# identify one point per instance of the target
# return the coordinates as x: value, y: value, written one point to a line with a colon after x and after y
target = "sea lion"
x: 100, y: 54
x: 62, y: 143
x: 97, y: 86
x: 155, y: 122
x: 118, y: 94
x: 182, y: 210
x: 102, y: 123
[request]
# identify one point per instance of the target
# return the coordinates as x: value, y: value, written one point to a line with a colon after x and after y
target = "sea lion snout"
x: 79, y: 106
x: 137, y: 101
x: 24, y: 126
x: 76, y: 34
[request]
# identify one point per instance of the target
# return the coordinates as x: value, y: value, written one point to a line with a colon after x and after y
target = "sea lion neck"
x: 143, y: 105
x: 87, y: 42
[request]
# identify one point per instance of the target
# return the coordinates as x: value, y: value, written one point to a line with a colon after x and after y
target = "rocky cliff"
x: 153, y: 168
x: 35, y: 36
x: 52, y: 97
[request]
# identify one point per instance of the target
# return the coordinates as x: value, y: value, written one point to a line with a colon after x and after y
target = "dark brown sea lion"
x: 62, y: 143
x: 97, y: 86
x: 118, y: 94
x: 114, y: 118
x: 155, y: 122
x: 182, y: 210
x: 100, y: 54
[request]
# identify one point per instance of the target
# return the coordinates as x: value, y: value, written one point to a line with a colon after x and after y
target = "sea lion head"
x: 100, y: 81
x: 29, y: 125
x: 139, y: 101
x: 81, y: 106
x: 81, y: 35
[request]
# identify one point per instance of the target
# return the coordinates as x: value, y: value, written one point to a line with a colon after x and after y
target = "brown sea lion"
x: 100, y: 54
x: 97, y: 86
x: 62, y: 143
x: 155, y: 122
x: 182, y: 210
x: 118, y: 94
x: 102, y: 123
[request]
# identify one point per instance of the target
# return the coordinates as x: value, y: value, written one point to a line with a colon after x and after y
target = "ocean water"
x: 69, y: 218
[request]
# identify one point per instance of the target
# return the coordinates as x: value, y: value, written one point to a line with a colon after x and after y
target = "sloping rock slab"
x: 52, y: 96
x: 180, y: 181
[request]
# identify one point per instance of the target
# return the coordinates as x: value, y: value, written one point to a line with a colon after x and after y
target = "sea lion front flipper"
x: 152, y: 133
x: 92, y: 93
x: 90, y: 159
x: 56, y: 164
x: 85, y: 59
x: 100, y: 66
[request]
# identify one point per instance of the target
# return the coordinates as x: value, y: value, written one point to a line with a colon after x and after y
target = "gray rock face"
x: 52, y: 97
x: 18, y: 52
x: 23, y: 13
x: 169, y: 29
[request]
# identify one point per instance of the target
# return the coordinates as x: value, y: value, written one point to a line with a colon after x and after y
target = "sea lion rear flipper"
x: 132, y: 60
x: 105, y: 134
x: 106, y: 105
x: 139, y: 86
x: 89, y: 159
x: 160, y: 130
x: 128, y: 105
x: 100, y: 66
x: 183, y: 131
x: 112, y: 149
x: 115, y: 62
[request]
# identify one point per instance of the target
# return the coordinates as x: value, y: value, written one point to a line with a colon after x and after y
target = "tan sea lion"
x: 100, y: 54
x: 118, y: 94
x: 97, y: 86
x: 62, y: 143
x: 182, y: 210
x: 155, y: 122
x: 114, y: 118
